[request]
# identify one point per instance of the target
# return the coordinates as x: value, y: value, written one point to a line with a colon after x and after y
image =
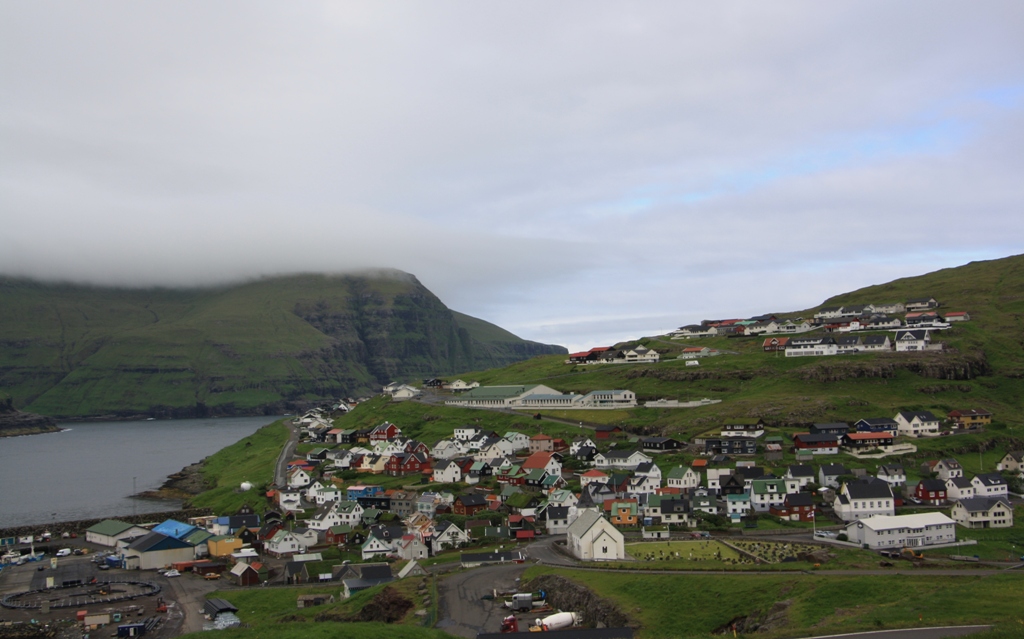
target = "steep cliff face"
x: 270, y: 345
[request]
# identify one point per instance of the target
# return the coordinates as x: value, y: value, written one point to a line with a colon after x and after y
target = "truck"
x: 526, y: 601
x: 557, y: 621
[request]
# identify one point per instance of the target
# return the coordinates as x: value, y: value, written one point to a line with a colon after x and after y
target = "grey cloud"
x: 554, y: 168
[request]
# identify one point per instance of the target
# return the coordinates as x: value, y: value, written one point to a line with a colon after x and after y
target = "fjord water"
x: 86, y: 470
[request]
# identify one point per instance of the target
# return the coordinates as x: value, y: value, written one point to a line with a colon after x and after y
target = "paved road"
x: 286, y: 454
x: 462, y: 610
x: 911, y: 633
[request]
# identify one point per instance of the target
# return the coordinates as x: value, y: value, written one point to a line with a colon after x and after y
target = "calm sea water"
x: 87, y: 470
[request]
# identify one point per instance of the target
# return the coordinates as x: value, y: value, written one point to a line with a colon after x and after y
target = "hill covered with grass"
x: 981, y: 367
x: 270, y: 345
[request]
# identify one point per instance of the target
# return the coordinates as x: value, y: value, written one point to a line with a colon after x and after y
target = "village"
x: 356, y: 508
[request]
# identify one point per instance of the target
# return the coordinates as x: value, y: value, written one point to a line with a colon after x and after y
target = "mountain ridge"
x: 266, y: 345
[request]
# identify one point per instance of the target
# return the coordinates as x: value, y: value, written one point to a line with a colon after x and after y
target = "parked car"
x: 172, y: 573
x: 211, y: 575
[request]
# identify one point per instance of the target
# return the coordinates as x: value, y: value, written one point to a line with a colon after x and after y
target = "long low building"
x: 538, y: 396
x: 109, y: 531
x: 903, y: 531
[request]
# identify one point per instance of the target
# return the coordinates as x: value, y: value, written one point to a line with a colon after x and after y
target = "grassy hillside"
x: 983, y: 367
x: 71, y: 350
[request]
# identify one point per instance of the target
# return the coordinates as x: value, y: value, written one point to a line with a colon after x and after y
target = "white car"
x: 172, y: 573
x: 64, y: 552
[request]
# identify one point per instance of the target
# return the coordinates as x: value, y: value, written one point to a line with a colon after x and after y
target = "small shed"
x: 308, y: 601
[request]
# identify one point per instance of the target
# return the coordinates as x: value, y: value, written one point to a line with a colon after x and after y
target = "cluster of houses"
x: 528, y: 487
x: 608, y: 355
x: 912, y: 332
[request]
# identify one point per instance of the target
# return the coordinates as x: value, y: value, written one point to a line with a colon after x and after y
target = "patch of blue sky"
x: 941, y: 136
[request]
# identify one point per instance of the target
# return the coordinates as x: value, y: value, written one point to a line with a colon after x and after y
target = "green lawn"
x: 685, y: 606
x: 251, y: 459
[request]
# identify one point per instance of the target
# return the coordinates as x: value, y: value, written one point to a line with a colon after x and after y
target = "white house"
x: 593, y: 538
x: 912, y: 340
x: 917, y: 424
x: 109, y: 531
x: 737, y: 506
x: 983, y: 512
x: 298, y: 478
x: 466, y: 433
x: 579, y: 443
x: 892, y: 474
x: 947, y: 468
x: 864, y: 498
x: 518, y: 440
x: 640, y: 355
x: 593, y: 476
x: 903, y: 531
x: 284, y: 542
x: 828, y: 475
x: 990, y: 485
x: 374, y: 547
x: 446, y: 449
x: 459, y: 385
x: 448, y: 535
x: 803, y: 474
x: 350, y: 512
x: 448, y: 472
x: 958, y: 488
x: 622, y: 459
x: 811, y: 346
x: 683, y: 478
x: 765, y: 493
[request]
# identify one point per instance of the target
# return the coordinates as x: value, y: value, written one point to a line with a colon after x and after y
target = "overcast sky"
x: 577, y: 172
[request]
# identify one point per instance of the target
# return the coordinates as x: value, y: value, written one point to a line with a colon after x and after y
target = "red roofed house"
x: 867, y: 440
x: 773, y: 344
x: 542, y: 442
x: 972, y: 417
x: 699, y: 463
x: 548, y: 462
x: 385, y: 432
x: 593, y: 476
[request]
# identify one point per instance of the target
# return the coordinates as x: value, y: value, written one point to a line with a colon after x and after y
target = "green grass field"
x: 691, y: 606
x: 251, y: 459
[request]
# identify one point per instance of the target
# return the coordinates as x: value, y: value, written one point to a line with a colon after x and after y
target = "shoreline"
x: 180, y: 486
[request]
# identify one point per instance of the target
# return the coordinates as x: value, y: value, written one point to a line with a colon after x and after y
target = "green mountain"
x: 982, y: 366
x: 69, y: 350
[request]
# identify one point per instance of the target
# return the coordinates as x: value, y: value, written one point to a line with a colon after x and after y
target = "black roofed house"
x: 828, y: 475
x: 732, y: 485
x: 848, y: 344
x: 877, y: 425
x: 921, y: 304
x: 864, y: 498
x: 876, y: 343
x: 730, y: 446
x: 819, y: 444
x: 931, y: 491
x: 802, y: 473
x: 990, y: 485
x: 155, y: 550
x: 295, y: 572
x: 912, y: 340
x: 833, y: 428
x: 917, y: 423
x: 795, y: 507
x: 660, y: 444
x: 983, y: 512
x: 605, y: 431
x: 469, y: 505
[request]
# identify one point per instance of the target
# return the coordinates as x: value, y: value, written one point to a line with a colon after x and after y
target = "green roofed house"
x: 109, y: 531
x: 198, y: 539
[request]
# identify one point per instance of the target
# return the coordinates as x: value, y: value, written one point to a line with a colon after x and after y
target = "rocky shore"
x: 13, y: 422
x: 187, y: 482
